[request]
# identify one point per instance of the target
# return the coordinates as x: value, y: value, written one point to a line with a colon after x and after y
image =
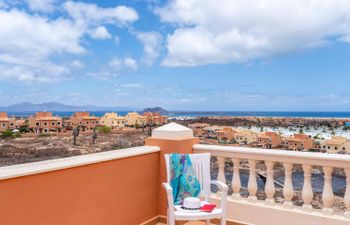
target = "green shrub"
x: 104, y: 129
x: 7, y: 134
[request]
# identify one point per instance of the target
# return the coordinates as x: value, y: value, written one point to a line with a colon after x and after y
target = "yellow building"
x: 245, y: 137
x: 336, y: 144
x: 133, y: 119
x: 112, y: 120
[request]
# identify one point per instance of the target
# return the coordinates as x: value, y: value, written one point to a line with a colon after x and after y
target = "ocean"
x: 190, y: 114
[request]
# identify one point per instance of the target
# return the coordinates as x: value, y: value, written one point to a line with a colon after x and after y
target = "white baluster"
x: 347, y: 193
x: 288, y: 186
x: 236, y: 180
x: 307, y: 193
x: 221, y: 165
x: 327, y: 195
x: 269, y: 186
x: 252, y: 185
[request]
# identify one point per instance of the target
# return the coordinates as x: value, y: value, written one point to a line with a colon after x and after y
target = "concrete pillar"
x: 171, y: 138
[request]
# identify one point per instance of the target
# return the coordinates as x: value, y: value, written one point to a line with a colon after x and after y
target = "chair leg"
x: 223, y: 221
x: 170, y: 220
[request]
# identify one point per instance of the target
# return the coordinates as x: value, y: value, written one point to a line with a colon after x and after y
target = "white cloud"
x: 209, y: 31
x: 152, y: 42
x: 91, y: 13
x: 132, y: 85
x: 27, y: 42
x: 116, y: 64
x: 119, y: 64
x: 33, y: 47
x: 77, y: 64
x: 45, y: 6
x: 100, y: 33
x: 130, y: 63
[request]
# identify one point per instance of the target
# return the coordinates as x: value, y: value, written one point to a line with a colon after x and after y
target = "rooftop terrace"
x: 123, y: 187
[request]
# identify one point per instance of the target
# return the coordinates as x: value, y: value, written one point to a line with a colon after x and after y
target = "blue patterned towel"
x: 183, y: 180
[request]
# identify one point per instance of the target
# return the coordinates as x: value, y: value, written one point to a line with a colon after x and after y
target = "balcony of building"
x: 123, y: 187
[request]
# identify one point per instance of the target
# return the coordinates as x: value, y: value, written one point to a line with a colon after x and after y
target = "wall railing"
x: 268, y: 159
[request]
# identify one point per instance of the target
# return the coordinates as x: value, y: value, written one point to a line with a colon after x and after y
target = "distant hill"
x: 156, y: 109
x: 57, y: 107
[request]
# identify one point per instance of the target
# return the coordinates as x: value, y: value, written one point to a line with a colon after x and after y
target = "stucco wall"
x: 117, y: 192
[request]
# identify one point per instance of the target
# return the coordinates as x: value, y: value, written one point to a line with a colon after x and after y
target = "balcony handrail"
x: 26, y: 169
x: 309, y: 158
x: 288, y: 159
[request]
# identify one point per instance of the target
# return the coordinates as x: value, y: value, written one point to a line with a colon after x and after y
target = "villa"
x: 299, y: 142
x: 44, y: 122
x: 246, y: 137
x: 113, y: 121
x: 155, y: 118
x: 84, y: 120
x: 6, y: 122
x: 269, y: 140
x: 336, y: 145
x: 134, y: 119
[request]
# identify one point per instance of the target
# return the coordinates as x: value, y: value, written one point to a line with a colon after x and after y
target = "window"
x: 37, y: 124
x: 93, y: 122
x: 3, y: 124
x: 53, y: 123
x: 87, y: 122
x: 344, y: 148
x: 324, y: 146
x: 329, y: 147
x: 45, y: 124
x: 335, y: 148
x: 11, y: 124
x: 58, y: 123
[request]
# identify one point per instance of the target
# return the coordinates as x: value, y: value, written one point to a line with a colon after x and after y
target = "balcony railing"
x: 269, y: 158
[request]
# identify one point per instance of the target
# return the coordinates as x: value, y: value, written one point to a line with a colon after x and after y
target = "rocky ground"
x: 31, y: 149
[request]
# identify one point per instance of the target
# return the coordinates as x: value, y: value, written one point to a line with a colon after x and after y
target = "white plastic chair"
x: 201, y: 167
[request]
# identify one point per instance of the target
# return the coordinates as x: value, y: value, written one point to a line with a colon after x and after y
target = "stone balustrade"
x: 288, y: 159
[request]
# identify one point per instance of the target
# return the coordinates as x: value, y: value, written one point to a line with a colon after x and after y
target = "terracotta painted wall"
x: 118, y: 192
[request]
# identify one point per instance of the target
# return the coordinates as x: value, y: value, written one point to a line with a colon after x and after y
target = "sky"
x: 207, y: 55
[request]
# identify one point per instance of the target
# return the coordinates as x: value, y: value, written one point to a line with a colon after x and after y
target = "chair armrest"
x: 221, y: 185
x: 168, y: 189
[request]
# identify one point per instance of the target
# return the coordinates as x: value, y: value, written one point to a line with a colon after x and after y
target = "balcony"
x: 123, y: 187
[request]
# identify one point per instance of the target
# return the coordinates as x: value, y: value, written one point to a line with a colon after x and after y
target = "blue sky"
x: 179, y: 54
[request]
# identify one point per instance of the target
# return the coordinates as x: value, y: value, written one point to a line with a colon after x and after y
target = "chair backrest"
x: 201, y: 167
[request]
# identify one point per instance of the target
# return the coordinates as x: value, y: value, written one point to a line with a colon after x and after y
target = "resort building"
x: 227, y: 133
x: 112, y: 120
x: 6, y: 123
x: 154, y: 118
x: 44, y: 122
x: 245, y: 137
x: 198, y: 128
x: 336, y: 145
x: 84, y: 120
x: 269, y: 140
x: 299, y: 142
x: 134, y: 119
